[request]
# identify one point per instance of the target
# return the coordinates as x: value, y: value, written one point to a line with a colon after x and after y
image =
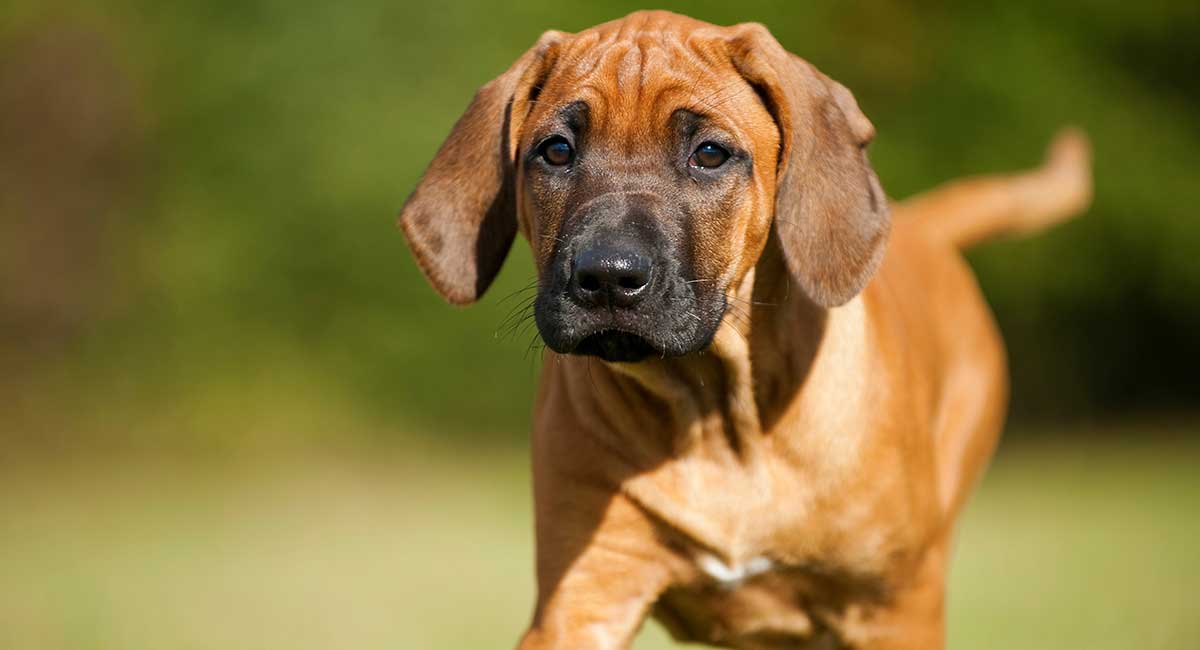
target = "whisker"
x: 756, y: 303
x: 518, y: 319
x: 533, y: 344
x: 533, y: 284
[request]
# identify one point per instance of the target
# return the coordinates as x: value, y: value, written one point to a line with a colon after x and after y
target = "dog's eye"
x: 556, y: 151
x: 708, y: 156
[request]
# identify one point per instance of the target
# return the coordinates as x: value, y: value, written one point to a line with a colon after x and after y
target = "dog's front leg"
x: 913, y: 618
x: 600, y: 568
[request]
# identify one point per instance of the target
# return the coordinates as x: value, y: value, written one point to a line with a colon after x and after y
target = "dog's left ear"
x: 831, y: 216
x: 461, y: 219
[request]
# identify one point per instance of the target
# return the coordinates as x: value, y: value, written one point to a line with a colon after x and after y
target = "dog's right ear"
x: 461, y: 219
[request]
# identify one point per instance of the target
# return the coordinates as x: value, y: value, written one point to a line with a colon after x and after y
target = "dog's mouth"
x: 616, y: 345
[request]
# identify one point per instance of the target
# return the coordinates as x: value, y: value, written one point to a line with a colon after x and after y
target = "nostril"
x: 589, y: 282
x: 632, y: 281
x: 612, y: 276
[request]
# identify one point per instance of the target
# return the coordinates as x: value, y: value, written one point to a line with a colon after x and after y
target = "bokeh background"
x: 232, y: 415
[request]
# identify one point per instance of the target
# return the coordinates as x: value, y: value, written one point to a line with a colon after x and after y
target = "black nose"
x: 610, y: 275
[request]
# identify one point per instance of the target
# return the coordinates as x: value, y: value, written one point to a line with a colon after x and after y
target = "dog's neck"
x: 756, y: 366
x: 787, y: 330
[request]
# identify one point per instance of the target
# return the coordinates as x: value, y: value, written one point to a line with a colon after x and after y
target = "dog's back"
x: 942, y: 305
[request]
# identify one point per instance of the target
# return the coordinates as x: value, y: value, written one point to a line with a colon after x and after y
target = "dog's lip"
x: 616, y: 345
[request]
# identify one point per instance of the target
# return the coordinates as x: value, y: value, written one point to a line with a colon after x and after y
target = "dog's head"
x: 648, y: 161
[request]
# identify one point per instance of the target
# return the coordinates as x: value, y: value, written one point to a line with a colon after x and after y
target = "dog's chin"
x: 616, y: 346
x: 626, y: 337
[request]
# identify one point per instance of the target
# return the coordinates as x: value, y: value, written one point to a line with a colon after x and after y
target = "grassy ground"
x: 1081, y: 545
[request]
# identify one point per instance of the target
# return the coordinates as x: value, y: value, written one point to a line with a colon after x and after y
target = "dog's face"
x: 645, y: 181
x: 647, y: 161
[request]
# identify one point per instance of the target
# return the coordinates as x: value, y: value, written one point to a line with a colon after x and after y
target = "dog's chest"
x: 734, y: 522
x: 773, y: 562
x: 764, y: 605
x: 730, y: 575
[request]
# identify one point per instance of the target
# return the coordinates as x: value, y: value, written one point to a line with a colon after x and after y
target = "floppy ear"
x: 461, y: 219
x: 831, y: 215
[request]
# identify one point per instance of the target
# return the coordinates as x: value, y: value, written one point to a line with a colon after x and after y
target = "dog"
x: 767, y: 395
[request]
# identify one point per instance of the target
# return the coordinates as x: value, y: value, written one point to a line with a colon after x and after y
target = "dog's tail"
x: 973, y: 210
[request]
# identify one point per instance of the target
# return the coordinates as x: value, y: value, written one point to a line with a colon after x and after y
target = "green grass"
x: 1081, y: 544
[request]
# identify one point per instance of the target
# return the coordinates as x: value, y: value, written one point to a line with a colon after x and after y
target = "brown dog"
x: 762, y: 414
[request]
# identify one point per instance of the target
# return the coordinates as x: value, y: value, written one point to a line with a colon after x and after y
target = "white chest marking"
x: 731, y: 575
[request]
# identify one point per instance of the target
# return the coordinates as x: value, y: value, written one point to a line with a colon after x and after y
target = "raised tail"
x: 973, y: 210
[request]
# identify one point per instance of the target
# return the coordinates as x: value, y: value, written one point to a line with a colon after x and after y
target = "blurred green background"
x: 233, y: 415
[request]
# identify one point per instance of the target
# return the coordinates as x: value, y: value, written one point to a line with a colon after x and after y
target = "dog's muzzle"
x: 618, y: 293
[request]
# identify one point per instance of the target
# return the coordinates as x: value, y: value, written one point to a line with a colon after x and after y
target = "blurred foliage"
x: 248, y: 279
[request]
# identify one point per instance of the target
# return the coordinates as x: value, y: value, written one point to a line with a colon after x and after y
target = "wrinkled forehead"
x: 632, y: 78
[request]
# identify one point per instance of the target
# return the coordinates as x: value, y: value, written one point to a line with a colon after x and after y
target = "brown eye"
x: 556, y: 151
x: 708, y: 155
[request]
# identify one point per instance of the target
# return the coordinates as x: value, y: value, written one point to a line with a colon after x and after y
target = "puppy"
x: 767, y: 396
